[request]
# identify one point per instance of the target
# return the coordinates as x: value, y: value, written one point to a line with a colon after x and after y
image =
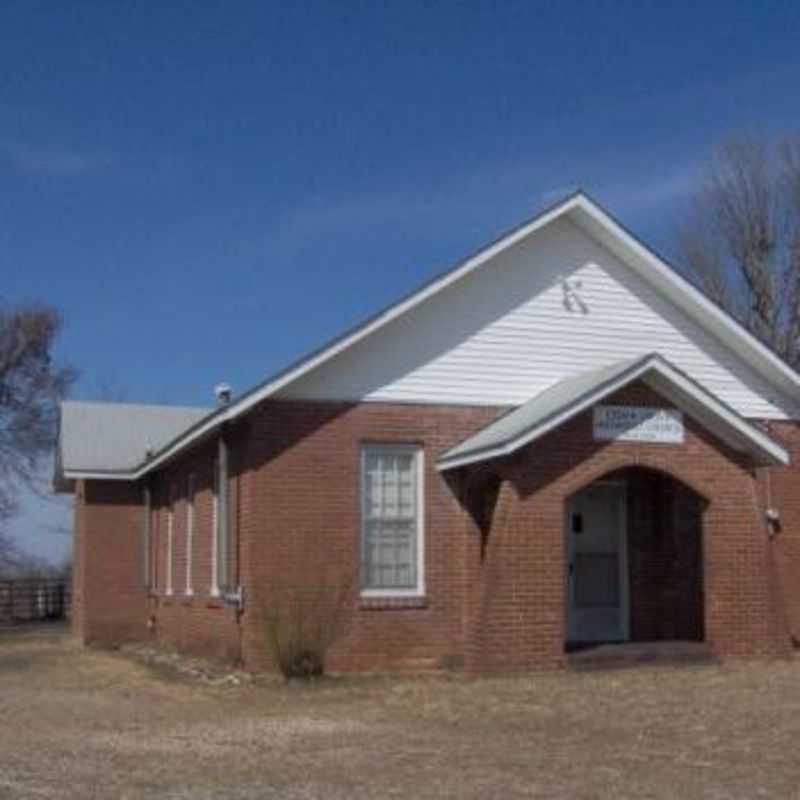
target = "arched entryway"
x: 634, y: 547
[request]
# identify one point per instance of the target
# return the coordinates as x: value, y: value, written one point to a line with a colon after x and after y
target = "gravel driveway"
x: 84, y: 724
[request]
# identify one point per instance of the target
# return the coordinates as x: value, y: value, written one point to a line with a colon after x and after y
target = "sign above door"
x: 638, y: 424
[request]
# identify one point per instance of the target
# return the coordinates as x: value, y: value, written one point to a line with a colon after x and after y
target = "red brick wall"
x: 494, y: 560
x: 301, y: 498
x: 79, y: 555
x: 780, y: 489
x: 518, y: 616
x: 198, y: 622
x: 108, y: 579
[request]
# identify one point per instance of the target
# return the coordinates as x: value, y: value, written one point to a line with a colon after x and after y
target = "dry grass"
x: 84, y: 724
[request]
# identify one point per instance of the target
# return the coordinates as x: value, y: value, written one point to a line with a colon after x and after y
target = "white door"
x: 597, y: 565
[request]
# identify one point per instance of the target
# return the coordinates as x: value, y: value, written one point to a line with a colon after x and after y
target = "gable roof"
x: 568, y: 398
x: 582, y: 210
x: 103, y: 439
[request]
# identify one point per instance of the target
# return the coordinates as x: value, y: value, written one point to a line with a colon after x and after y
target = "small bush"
x: 303, y: 620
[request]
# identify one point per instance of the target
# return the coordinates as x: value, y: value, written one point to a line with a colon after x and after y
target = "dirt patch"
x: 86, y: 724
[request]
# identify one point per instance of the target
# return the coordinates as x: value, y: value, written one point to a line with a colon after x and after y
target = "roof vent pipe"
x: 223, y: 394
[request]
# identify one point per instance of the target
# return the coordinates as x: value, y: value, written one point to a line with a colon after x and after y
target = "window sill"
x: 377, y: 602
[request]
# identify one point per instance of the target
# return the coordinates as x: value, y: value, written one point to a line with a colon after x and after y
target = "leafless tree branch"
x: 31, y: 386
x: 741, y: 238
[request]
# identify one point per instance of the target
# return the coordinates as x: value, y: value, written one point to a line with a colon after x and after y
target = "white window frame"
x: 419, y: 465
x: 190, y: 517
x: 170, y: 533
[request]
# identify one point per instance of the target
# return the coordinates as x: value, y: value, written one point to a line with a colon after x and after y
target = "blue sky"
x: 207, y: 190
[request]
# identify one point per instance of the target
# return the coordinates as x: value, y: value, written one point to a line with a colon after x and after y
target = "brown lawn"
x: 86, y: 724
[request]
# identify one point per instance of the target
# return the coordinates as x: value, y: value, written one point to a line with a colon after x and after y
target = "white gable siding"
x: 552, y: 306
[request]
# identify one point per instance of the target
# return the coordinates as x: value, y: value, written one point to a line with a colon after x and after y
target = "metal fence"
x: 33, y: 600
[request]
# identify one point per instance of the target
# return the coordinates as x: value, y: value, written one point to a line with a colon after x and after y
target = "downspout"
x: 223, y: 394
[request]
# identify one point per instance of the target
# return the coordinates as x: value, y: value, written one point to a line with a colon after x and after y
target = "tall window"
x: 223, y: 556
x: 392, y: 520
x: 147, y: 536
x: 215, y: 526
x: 170, y: 549
x: 189, y: 531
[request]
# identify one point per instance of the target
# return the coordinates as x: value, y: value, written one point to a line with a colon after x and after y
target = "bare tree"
x: 9, y: 554
x: 31, y: 386
x: 741, y: 238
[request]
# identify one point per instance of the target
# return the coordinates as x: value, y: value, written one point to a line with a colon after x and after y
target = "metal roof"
x: 115, y: 437
x: 567, y: 398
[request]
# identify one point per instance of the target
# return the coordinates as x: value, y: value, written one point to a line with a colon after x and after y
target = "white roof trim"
x: 247, y: 401
x: 761, y: 444
x: 577, y: 203
x: 670, y: 275
x: 96, y: 475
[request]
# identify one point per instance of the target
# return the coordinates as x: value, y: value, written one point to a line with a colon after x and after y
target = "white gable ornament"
x: 638, y: 424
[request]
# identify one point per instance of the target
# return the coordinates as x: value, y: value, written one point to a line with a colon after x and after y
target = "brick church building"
x: 558, y: 443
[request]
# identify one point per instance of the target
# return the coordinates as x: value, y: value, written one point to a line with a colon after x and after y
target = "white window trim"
x: 190, y: 516
x: 170, y: 533
x: 215, y: 592
x: 419, y: 465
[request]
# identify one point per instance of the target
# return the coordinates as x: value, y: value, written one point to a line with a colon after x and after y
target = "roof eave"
x: 581, y: 208
x: 97, y: 475
x: 762, y: 448
x: 295, y: 371
x: 747, y: 345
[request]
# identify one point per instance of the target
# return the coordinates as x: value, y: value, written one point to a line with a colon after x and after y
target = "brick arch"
x: 664, y: 560
x: 641, y: 461
x: 521, y: 617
